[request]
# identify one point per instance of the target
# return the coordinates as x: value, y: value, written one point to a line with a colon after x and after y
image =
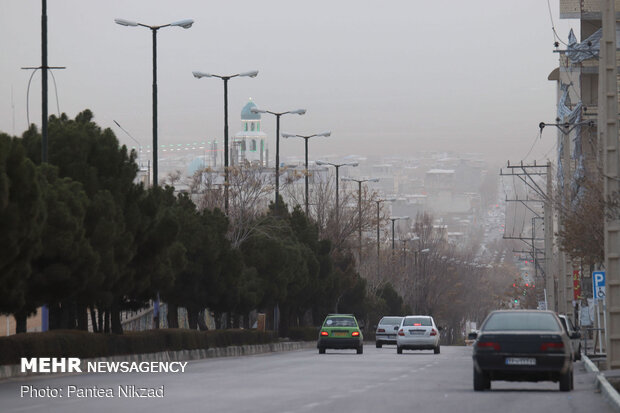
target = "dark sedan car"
x: 522, y: 345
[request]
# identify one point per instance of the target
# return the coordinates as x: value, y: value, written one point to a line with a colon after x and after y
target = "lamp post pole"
x: 306, y: 138
x: 379, y: 201
x: 199, y: 75
x: 359, y: 209
x: 337, y: 166
x: 278, y: 115
x: 394, y: 219
x: 186, y: 24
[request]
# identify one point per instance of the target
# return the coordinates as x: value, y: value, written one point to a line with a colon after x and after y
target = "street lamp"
x: 306, y: 138
x: 359, y: 206
x: 185, y: 24
x: 277, y: 115
x: 378, y: 201
x: 394, y: 219
x: 199, y: 75
x: 337, y: 166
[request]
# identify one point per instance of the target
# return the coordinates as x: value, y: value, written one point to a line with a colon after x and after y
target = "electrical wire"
x: 536, y: 139
x: 555, y: 33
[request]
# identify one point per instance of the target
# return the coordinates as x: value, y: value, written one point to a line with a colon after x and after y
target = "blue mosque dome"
x: 247, y: 114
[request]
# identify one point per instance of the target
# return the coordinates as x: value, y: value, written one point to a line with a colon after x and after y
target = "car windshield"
x: 417, y: 321
x: 392, y: 321
x: 521, y: 321
x: 340, y: 322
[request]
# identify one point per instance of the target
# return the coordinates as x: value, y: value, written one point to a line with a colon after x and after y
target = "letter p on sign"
x: 598, y: 280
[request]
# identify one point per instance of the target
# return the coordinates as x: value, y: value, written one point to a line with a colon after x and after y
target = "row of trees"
x: 79, y: 235
x: 82, y: 236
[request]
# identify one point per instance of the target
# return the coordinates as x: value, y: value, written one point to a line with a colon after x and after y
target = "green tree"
x: 22, y: 217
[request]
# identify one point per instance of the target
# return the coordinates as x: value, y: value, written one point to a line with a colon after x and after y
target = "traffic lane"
x: 304, y: 381
x: 447, y: 386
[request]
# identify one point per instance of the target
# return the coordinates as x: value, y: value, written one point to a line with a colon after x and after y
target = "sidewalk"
x: 603, y: 379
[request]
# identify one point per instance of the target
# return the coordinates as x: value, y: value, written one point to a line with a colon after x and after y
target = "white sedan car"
x: 417, y: 332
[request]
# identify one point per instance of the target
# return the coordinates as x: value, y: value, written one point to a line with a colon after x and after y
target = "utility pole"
x: 608, y: 129
x: 548, y: 222
x: 525, y: 173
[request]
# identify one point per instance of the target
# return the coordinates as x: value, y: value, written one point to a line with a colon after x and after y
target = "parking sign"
x: 598, y: 280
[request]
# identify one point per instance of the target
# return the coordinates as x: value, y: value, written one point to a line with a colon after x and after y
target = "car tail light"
x: 552, y: 346
x: 417, y: 324
x: 355, y: 334
x: 381, y: 330
x: 433, y: 332
x: 488, y: 345
x: 324, y: 333
x: 401, y: 332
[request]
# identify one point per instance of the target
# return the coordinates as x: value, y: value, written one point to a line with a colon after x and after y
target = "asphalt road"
x: 304, y: 381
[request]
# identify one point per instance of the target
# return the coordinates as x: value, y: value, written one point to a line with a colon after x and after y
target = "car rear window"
x: 340, y: 322
x: 393, y: 321
x: 521, y: 321
x: 417, y: 321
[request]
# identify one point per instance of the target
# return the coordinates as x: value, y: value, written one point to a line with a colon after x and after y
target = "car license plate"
x: 519, y: 361
x: 391, y: 335
x: 417, y: 332
x: 340, y: 333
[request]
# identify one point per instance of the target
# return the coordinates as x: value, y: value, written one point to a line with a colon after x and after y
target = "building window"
x: 252, y: 126
x: 253, y: 145
x: 258, y: 127
x: 246, y: 126
x: 242, y: 146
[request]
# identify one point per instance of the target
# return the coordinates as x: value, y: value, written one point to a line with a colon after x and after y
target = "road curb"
x: 14, y: 370
x: 608, y: 391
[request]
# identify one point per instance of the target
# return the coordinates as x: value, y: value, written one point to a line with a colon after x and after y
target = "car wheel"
x: 379, y: 345
x: 360, y: 350
x: 481, y: 381
x: 321, y: 350
x: 399, y: 350
x: 566, y: 381
x: 578, y: 355
x: 437, y: 349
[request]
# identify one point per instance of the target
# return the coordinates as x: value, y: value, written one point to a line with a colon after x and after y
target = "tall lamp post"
x: 337, y: 166
x: 394, y: 219
x: 378, y: 202
x: 277, y: 115
x: 306, y: 138
x: 186, y: 24
x: 359, y: 207
x: 199, y: 75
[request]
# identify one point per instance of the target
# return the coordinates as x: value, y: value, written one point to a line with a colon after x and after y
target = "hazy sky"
x: 386, y: 77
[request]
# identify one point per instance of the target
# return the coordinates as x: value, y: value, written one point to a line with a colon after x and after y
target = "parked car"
x: 417, y: 332
x: 522, y: 345
x: 573, y: 334
x: 340, y: 331
x: 387, y: 330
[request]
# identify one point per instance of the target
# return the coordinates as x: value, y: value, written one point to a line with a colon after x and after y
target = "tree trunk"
x: 173, y: 316
x: 117, y: 328
x: 54, y: 317
x: 106, y: 325
x: 285, y: 315
x: 217, y: 317
x: 82, y: 317
x: 20, y: 322
x: 192, y: 317
x: 93, y: 320
x: 202, y: 325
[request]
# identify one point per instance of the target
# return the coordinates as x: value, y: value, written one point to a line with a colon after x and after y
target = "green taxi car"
x: 340, y: 331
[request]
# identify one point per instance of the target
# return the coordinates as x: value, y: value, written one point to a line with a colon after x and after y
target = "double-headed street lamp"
x: 378, y: 202
x: 277, y: 115
x: 359, y: 207
x: 199, y: 75
x: 394, y: 219
x: 306, y: 138
x: 186, y: 24
x: 337, y: 166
